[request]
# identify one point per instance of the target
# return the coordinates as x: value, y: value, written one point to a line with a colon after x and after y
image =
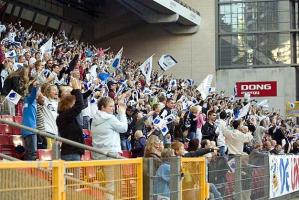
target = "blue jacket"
x: 29, y: 113
x: 161, y: 180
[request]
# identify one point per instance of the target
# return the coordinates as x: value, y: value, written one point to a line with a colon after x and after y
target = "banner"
x: 166, y: 62
x: 256, y: 89
x: 284, y: 175
x: 292, y: 109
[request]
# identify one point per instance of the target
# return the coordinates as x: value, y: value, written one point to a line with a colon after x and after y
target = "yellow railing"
x: 194, y: 183
x: 31, y: 180
x: 59, y: 180
x: 104, y: 179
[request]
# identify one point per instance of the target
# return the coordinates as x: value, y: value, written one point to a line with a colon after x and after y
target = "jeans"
x: 71, y: 157
x: 191, y: 135
x: 30, y: 147
x: 222, y: 150
x: 215, y: 192
x: 125, y: 145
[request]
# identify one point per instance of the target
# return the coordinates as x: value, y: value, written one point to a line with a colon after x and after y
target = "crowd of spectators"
x: 63, y: 90
x: 72, y: 87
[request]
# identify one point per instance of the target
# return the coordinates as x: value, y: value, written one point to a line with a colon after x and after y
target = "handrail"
x: 8, y: 157
x: 78, y: 181
x: 61, y: 139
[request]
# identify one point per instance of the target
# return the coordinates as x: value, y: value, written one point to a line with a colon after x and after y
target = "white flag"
x: 13, y: 97
x: 169, y: 119
x: 116, y: 61
x: 17, y: 66
x: 47, y: 47
x: 247, y: 96
x: 166, y: 62
x: 122, y: 87
x: 146, y: 69
x: 147, y: 91
x: 171, y: 84
x: 161, y: 125
x: 11, y: 54
x: 263, y: 103
x: 190, y: 82
x: 205, y: 85
x: 243, y: 111
x: 2, y: 28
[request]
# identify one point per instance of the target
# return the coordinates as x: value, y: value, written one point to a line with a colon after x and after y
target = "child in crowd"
x: 29, y: 119
x: 139, y: 144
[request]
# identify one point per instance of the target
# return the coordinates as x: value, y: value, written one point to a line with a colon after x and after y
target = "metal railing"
x: 175, y: 178
x: 194, y: 183
x: 61, y: 139
x: 59, y: 180
x: 239, y: 177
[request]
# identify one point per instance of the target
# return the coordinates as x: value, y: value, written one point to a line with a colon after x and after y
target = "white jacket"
x: 220, y: 129
x: 235, y: 141
x: 105, y: 130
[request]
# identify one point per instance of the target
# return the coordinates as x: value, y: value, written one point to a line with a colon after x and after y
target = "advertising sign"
x: 257, y: 89
x: 284, y: 175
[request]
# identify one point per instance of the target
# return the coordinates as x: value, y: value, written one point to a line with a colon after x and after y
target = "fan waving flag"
x: 13, y: 97
x: 166, y: 62
x: 146, y: 69
x: 47, y: 47
x: 116, y: 61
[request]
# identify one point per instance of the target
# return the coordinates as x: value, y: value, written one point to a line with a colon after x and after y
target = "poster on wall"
x: 292, y: 109
x: 284, y: 175
x: 256, y: 89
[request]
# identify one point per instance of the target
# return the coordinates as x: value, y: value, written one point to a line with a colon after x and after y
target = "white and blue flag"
x: 166, y: 62
x: 47, y: 47
x: 11, y: 54
x: 146, y: 69
x: 13, y: 97
x: 116, y: 61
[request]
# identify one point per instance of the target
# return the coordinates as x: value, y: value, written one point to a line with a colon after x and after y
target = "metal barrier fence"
x: 239, y: 177
x: 194, y: 183
x: 59, y: 180
x: 105, y: 179
x: 175, y: 178
x: 31, y: 180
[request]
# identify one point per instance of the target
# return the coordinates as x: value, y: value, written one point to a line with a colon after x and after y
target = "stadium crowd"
x: 73, y: 87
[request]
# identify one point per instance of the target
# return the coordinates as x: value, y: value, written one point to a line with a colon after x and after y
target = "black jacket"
x: 12, y: 83
x: 69, y: 128
x: 209, y: 132
x: 199, y: 152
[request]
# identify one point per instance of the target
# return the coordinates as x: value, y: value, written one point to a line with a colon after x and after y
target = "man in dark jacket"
x: 167, y: 110
x: 209, y: 129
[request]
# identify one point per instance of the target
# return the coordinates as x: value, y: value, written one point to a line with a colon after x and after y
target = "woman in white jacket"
x: 106, y: 127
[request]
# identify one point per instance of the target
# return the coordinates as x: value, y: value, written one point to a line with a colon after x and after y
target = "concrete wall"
x: 285, y: 77
x: 195, y: 53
